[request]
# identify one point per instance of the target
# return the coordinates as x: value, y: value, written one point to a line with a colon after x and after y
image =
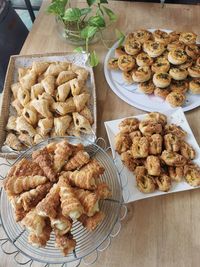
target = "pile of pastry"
x: 60, y: 184
x: 156, y: 153
x: 50, y: 99
x: 163, y: 64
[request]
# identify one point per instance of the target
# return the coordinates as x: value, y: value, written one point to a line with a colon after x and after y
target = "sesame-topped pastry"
x: 142, y: 74
x: 188, y: 37
x: 178, y: 74
x: 177, y: 56
x: 162, y: 79
x: 126, y: 62
x: 143, y: 59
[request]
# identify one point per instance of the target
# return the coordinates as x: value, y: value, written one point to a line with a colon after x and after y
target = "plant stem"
x: 86, y: 45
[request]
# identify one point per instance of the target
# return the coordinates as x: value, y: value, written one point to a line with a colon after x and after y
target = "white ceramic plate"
x: 131, y: 95
x: 130, y: 191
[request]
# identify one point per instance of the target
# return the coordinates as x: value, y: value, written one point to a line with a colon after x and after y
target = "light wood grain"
x: 158, y: 232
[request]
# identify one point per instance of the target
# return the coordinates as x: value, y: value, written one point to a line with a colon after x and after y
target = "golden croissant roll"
x: 40, y: 240
x: 187, y: 151
x: 34, y: 222
x: 31, y: 198
x: 65, y: 243
x: 147, y: 87
x: 188, y: 37
x: 141, y: 74
x: 177, y: 56
x: 194, y: 86
x: 103, y: 191
x: 49, y: 205
x: 163, y: 182
x: 176, y: 173
x: 70, y: 203
x: 126, y: 62
x: 77, y: 161
x: 61, y: 224
x: 45, y: 161
x: 153, y: 165
x: 93, y: 165
x: 192, y: 174
x: 83, y: 179
x: 176, y: 130
x: 91, y: 223
x: 176, y: 99
x: 62, y: 153
x: 19, y: 211
x: 155, y: 144
x: 89, y: 200
x: 173, y: 159
x: 16, y: 185
x: 172, y: 142
x: 13, y: 142
x: 140, y: 147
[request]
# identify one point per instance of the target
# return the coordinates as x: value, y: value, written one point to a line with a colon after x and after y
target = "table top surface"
x: 162, y: 231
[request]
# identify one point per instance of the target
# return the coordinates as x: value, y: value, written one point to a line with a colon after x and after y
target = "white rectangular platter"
x: 130, y: 191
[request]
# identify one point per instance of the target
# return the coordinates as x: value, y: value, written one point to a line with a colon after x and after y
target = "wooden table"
x: 158, y: 232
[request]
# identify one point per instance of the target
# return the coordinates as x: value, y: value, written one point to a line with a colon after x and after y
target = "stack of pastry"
x: 58, y: 185
x: 50, y: 99
x: 156, y: 153
x: 163, y: 64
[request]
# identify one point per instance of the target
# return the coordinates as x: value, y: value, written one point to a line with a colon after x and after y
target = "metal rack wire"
x: 89, y: 244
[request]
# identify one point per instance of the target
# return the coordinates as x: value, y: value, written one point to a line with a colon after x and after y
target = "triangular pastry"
x: 80, y: 101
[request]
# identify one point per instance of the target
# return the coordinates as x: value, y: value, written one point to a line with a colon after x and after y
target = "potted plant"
x: 82, y: 26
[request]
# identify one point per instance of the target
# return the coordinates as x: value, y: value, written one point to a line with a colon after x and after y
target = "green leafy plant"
x: 83, y: 24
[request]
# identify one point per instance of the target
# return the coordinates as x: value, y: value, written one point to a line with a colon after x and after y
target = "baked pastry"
x: 26, y: 139
x: 176, y: 99
x: 127, y: 76
x: 91, y: 223
x: 63, y: 91
x: 86, y: 112
x: 34, y: 222
x: 176, y: 173
x: 132, y: 47
x: 145, y: 183
x: 93, y: 166
x: 172, y: 142
x: 129, y: 125
x: 40, y: 240
x: 147, y: 87
x: 162, y: 79
x: 140, y: 147
x: 39, y: 67
x: 143, y: 59
x: 198, y: 61
x: 162, y: 92
x: 149, y: 127
x: 161, y: 37
x: 36, y: 90
x: 192, y: 174
x: 65, y: 76
x: 23, y: 126
x: 194, y: 86
x: 156, y: 117
x: 161, y: 65
x: 80, y: 101
x: 119, y: 51
x: 178, y: 74
x: 28, y: 80
x: 175, y: 45
x: 82, y: 179
x: 142, y: 74
x: 65, y: 243
x: 62, y: 108
x: 188, y: 38
x: 13, y: 142
x: 81, y: 123
x: 76, y: 86
x: 163, y: 182
x: 42, y: 107
x: 129, y: 161
x: 61, y: 124
x: 61, y: 154
x: 11, y: 124
x: 103, y: 191
x: 126, y: 62
x: 113, y: 64
x: 56, y: 67
x: 177, y: 56
x: 194, y: 71
x: 187, y: 151
x: 155, y: 144
x: 45, y: 125
x: 122, y: 142
x: 77, y: 161
x: 49, y: 84
x: 15, y: 87
x: 176, y: 130
x: 188, y: 63
x: 174, y: 35
x: 154, y: 49
x: 30, y: 114
x: 179, y: 86
x: 173, y: 159
x: 192, y: 51
x: 129, y: 37
x: 153, y: 165
x: 61, y: 224
x: 23, y: 96
x: 142, y: 35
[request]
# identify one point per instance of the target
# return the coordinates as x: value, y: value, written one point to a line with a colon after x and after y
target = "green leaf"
x: 120, y: 36
x: 72, y: 14
x: 90, y: 2
x: 88, y: 32
x: 93, y: 59
x: 97, y: 21
x: 79, y: 49
x: 85, y: 11
x: 112, y: 16
x: 103, y: 1
x: 57, y: 7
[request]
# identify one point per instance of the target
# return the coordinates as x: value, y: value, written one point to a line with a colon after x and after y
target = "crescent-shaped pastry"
x: 26, y: 139
x: 119, y: 51
x: 24, y: 127
x: 122, y: 142
x: 143, y: 59
x: 161, y: 65
x: 132, y: 47
x: 65, y: 76
x: 161, y: 37
x: 162, y: 92
x: 194, y: 86
x: 113, y: 64
x: 188, y: 37
x: 80, y: 101
x: 175, y: 45
x: 63, y: 91
x: 81, y: 123
x: 56, y: 67
x: 15, y: 87
x: 194, y: 71
x: 62, y: 108
x: 176, y: 99
x: 23, y: 96
x: 13, y: 142
x: 17, y: 105
x: 49, y: 84
x: 173, y: 159
x: 177, y: 56
x: 42, y: 107
x: 30, y: 114
x: 153, y: 165
x: 142, y: 35
x: 36, y: 90
x: 154, y: 49
x: 39, y: 67
x: 86, y: 112
x: 192, y: 51
x: 162, y: 79
x: 126, y: 62
x: 179, y: 86
x: 147, y: 87
x: 11, y: 125
x: 142, y: 74
x: 178, y: 74
x: 45, y: 125
x: 174, y: 36
x: 127, y: 76
x: 129, y: 125
x: 28, y: 80
x: 76, y: 86
x: 140, y: 147
x: 61, y: 124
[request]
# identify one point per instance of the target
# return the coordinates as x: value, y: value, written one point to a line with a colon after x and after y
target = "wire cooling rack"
x: 89, y: 244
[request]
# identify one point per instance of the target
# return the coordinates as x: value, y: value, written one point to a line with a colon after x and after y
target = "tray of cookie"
x: 156, y: 154
x: 45, y: 96
x: 155, y: 70
x: 61, y: 200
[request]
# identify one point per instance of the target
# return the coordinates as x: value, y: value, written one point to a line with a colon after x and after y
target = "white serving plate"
x: 130, y: 190
x: 131, y: 94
